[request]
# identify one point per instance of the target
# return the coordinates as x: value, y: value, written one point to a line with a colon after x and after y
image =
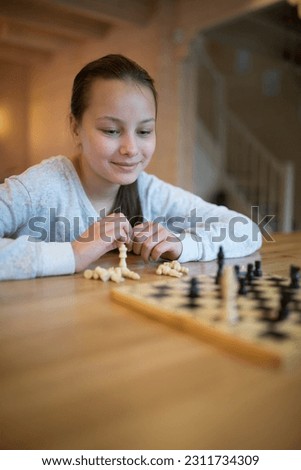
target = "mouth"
x: 127, y: 166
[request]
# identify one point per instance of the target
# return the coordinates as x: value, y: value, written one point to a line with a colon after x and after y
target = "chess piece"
x: 173, y: 269
x: 116, y: 275
x: 237, y: 270
x: 88, y: 274
x: 178, y: 267
x: 122, y: 255
x: 242, y: 286
x: 103, y: 274
x: 220, y: 256
x: 257, y: 270
x: 295, y: 277
x: 193, y: 293
x: 285, y: 299
x: 127, y: 273
x: 250, y: 273
x: 228, y: 291
x: 220, y: 264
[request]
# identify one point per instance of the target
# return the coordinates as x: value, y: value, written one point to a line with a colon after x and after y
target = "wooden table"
x: 80, y: 372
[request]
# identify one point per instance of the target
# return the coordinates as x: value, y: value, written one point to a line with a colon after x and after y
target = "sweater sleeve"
x: 20, y: 257
x: 201, y: 226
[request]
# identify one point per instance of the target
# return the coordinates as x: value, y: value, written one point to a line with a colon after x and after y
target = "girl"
x: 53, y: 217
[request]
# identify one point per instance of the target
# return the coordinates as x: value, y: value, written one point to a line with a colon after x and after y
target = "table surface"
x: 81, y: 372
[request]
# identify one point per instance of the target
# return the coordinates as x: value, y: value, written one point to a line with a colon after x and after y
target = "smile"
x: 126, y: 166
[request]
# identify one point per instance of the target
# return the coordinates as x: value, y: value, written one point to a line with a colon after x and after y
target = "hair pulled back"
x: 109, y: 67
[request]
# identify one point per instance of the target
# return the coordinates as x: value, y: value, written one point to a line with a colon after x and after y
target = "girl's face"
x: 117, y: 132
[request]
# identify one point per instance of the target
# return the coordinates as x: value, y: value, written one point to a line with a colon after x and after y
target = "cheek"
x: 98, y: 147
x: 150, y: 148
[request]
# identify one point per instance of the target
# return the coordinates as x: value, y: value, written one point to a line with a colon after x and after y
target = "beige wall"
x: 14, y: 89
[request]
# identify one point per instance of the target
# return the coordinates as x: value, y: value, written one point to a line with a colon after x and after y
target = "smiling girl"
x: 61, y: 215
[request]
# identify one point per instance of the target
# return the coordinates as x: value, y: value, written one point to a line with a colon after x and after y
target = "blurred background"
x: 228, y: 75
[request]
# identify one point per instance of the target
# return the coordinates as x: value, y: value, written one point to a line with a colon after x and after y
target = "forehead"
x: 120, y: 95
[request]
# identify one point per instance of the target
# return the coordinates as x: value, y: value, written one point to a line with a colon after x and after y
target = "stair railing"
x: 247, y: 170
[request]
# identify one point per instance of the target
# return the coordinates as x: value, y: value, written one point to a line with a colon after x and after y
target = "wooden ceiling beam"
x: 114, y: 11
x: 46, y: 16
x: 18, y: 35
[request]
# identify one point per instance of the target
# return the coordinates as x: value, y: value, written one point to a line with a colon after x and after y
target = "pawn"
x: 237, y: 270
x: 257, y: 270
x: 242, y: 286
x: 295, y: 277
x: 88, y: 274
x: 194, y: 290
x: 250, y: 273
x: 285, y: 299
x: 126, y: 272
x: 193, y: 293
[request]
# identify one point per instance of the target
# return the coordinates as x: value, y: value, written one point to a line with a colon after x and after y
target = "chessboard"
x: 260, y: 322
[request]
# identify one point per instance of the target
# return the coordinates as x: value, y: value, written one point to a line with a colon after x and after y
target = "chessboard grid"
x: 244, y: 338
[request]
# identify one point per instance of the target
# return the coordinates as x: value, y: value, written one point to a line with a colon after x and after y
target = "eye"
x: 112, y: 132
x: 145, y: 132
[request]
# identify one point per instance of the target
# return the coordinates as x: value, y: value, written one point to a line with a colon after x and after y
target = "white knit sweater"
x: 45, y: 208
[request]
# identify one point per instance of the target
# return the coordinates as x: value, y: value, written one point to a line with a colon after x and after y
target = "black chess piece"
x: 220, y: 263
x: 194, y: 288
x: 295, y: 277
x: 257, y: 270
x: 282, y: 314
x: 285, y: 299
x: 193, y: 293
x: 242, y: 286
x: 250, y: 273
x: 220, y: 255
x: 237, y: 270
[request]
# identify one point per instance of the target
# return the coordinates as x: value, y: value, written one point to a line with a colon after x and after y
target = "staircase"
x: 247, y: 171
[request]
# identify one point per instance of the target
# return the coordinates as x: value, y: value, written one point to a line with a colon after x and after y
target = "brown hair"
x: 119, y: 67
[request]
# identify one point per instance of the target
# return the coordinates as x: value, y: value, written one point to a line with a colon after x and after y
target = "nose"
x: 128, y: 146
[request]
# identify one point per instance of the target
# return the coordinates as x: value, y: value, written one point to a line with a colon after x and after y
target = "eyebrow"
x: 114, y: 119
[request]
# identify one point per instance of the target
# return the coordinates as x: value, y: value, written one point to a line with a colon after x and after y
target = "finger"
x: 136, y: 248
x: 159, y: 249
x: 140, y: 235
x: 156, y: 237
x: 129, y: 244
x: 117, y: 227
x: 167, y: 249
x: 141, y: 232
x: 141, y: 243
x: 146, y: 249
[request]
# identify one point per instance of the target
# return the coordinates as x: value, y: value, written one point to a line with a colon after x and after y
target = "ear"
x: 74, y: 127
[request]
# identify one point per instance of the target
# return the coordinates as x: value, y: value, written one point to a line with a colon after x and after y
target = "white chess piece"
x: 122, y: 255
x: 229, y: 288
x: 172, y: 268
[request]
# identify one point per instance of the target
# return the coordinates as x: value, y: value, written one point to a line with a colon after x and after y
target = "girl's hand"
x: 99, y: 238
x: 152, y: 240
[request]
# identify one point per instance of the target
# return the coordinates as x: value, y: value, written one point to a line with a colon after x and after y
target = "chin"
x: 126, y: 181
x: 126, y: 178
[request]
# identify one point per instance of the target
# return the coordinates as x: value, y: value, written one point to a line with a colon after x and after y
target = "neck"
x: 101, y: 193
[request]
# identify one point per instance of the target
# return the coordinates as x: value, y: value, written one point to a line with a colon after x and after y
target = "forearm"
x: 22, y: 259
x: 202, y: 243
